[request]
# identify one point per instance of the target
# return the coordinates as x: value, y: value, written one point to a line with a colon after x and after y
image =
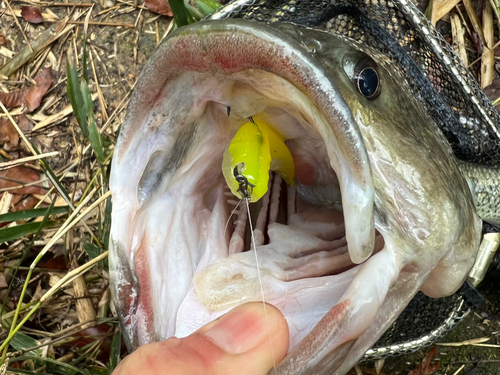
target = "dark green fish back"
x: 399, y: 30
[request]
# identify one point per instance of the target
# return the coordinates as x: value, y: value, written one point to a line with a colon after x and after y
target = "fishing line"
x: 231, y: 215
x: 260, y: 280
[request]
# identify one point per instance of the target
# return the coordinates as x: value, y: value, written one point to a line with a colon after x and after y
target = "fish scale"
x: 398, y: 29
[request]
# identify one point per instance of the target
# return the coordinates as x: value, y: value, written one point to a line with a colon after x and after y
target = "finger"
x: 247, y: 340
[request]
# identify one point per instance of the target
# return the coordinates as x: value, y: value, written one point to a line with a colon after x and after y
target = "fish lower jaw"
x: 299, y: 264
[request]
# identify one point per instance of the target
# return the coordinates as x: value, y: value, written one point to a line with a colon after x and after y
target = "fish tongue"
x: 348, y: 319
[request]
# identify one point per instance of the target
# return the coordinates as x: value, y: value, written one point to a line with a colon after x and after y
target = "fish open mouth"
x: 182, y: 250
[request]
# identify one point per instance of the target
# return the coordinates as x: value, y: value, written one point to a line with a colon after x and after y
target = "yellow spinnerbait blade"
x: 249, y: 155
x: 281, y: 158
x: 254, y: 150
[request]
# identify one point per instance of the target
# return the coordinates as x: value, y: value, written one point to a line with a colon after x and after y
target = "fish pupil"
x: 368, y: 83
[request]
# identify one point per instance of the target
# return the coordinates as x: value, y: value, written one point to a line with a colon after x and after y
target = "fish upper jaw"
x: 229, y: 49
x: 174, y: 263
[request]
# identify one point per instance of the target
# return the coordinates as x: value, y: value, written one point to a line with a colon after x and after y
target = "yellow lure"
x: 254, y: 151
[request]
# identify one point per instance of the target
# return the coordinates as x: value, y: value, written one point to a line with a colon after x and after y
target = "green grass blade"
x: 194, y: 13
x: 181, y: 14
x: 93, y: 134
x: 11, y: 370
x: 106, y: 226
x: 20, y: 341
x: 428, y: 11
x: 53, y: 178
x: 10, y: 234
x: 114, y: 351
x: 95, y: 142
x: 29, y: 214
x: 207, y: 7
x: 92, y: 250
x: 26, y: 250
x: 64, y: 368
x: 76, y: 99
x: 84, y: 59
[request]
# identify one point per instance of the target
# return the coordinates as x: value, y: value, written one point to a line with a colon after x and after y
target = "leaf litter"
x: 31, y: 14
x: 30, y: 96
x: 55, y: 309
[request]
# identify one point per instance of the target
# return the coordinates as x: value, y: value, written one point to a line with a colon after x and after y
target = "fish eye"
x: 368, y: 83
x: 363, y: 72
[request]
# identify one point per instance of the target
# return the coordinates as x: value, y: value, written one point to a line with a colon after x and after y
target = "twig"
x: 42, y: 163
x: 102, y: 101
x: 78, y: 5
x: 57, y: 117
x: 15, y: 163
x: 458, y: 38
x: 70, y: 276
x: 107, y: 10
x: 118, y: 109
x: 66, y: 279
x: 474, y: 19
x: 169, y: 28
x: 442, y: 8
x: 67, y: 332
x: 68, y: 224
x: 157, y: 32
x: 22, y: 184
x: 460, y: 369
x: 488, y: 57
x: 116, y: 24
x: 47, y: 37
x: 473, y: 342
x: 20, y: 27
x: 497, y: 14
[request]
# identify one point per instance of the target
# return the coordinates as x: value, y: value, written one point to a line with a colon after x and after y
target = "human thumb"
x: 247, y: 340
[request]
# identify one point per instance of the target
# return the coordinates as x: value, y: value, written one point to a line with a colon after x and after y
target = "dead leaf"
x: 9, y: 134
x: 32, y: 95
x: 56, y: 263
x: 12, y: 99
x: 18, y: 176
x: 160, y: 7
x: 426, y: 367
x: 35, y: 94
x: 24, y: 123
x: 3, y: 282
x: 26, y: 204
x: 31, y: 14
x: 3, y: 40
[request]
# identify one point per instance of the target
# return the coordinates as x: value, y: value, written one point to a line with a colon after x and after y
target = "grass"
x: 55, y: 312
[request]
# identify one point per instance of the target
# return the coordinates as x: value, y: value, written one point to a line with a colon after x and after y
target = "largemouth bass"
x: 379, y: 208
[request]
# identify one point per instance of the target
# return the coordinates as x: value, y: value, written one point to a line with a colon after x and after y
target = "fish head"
x: 378, y: 209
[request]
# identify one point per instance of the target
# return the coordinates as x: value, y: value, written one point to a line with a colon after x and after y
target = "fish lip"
x: 191, y: 46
